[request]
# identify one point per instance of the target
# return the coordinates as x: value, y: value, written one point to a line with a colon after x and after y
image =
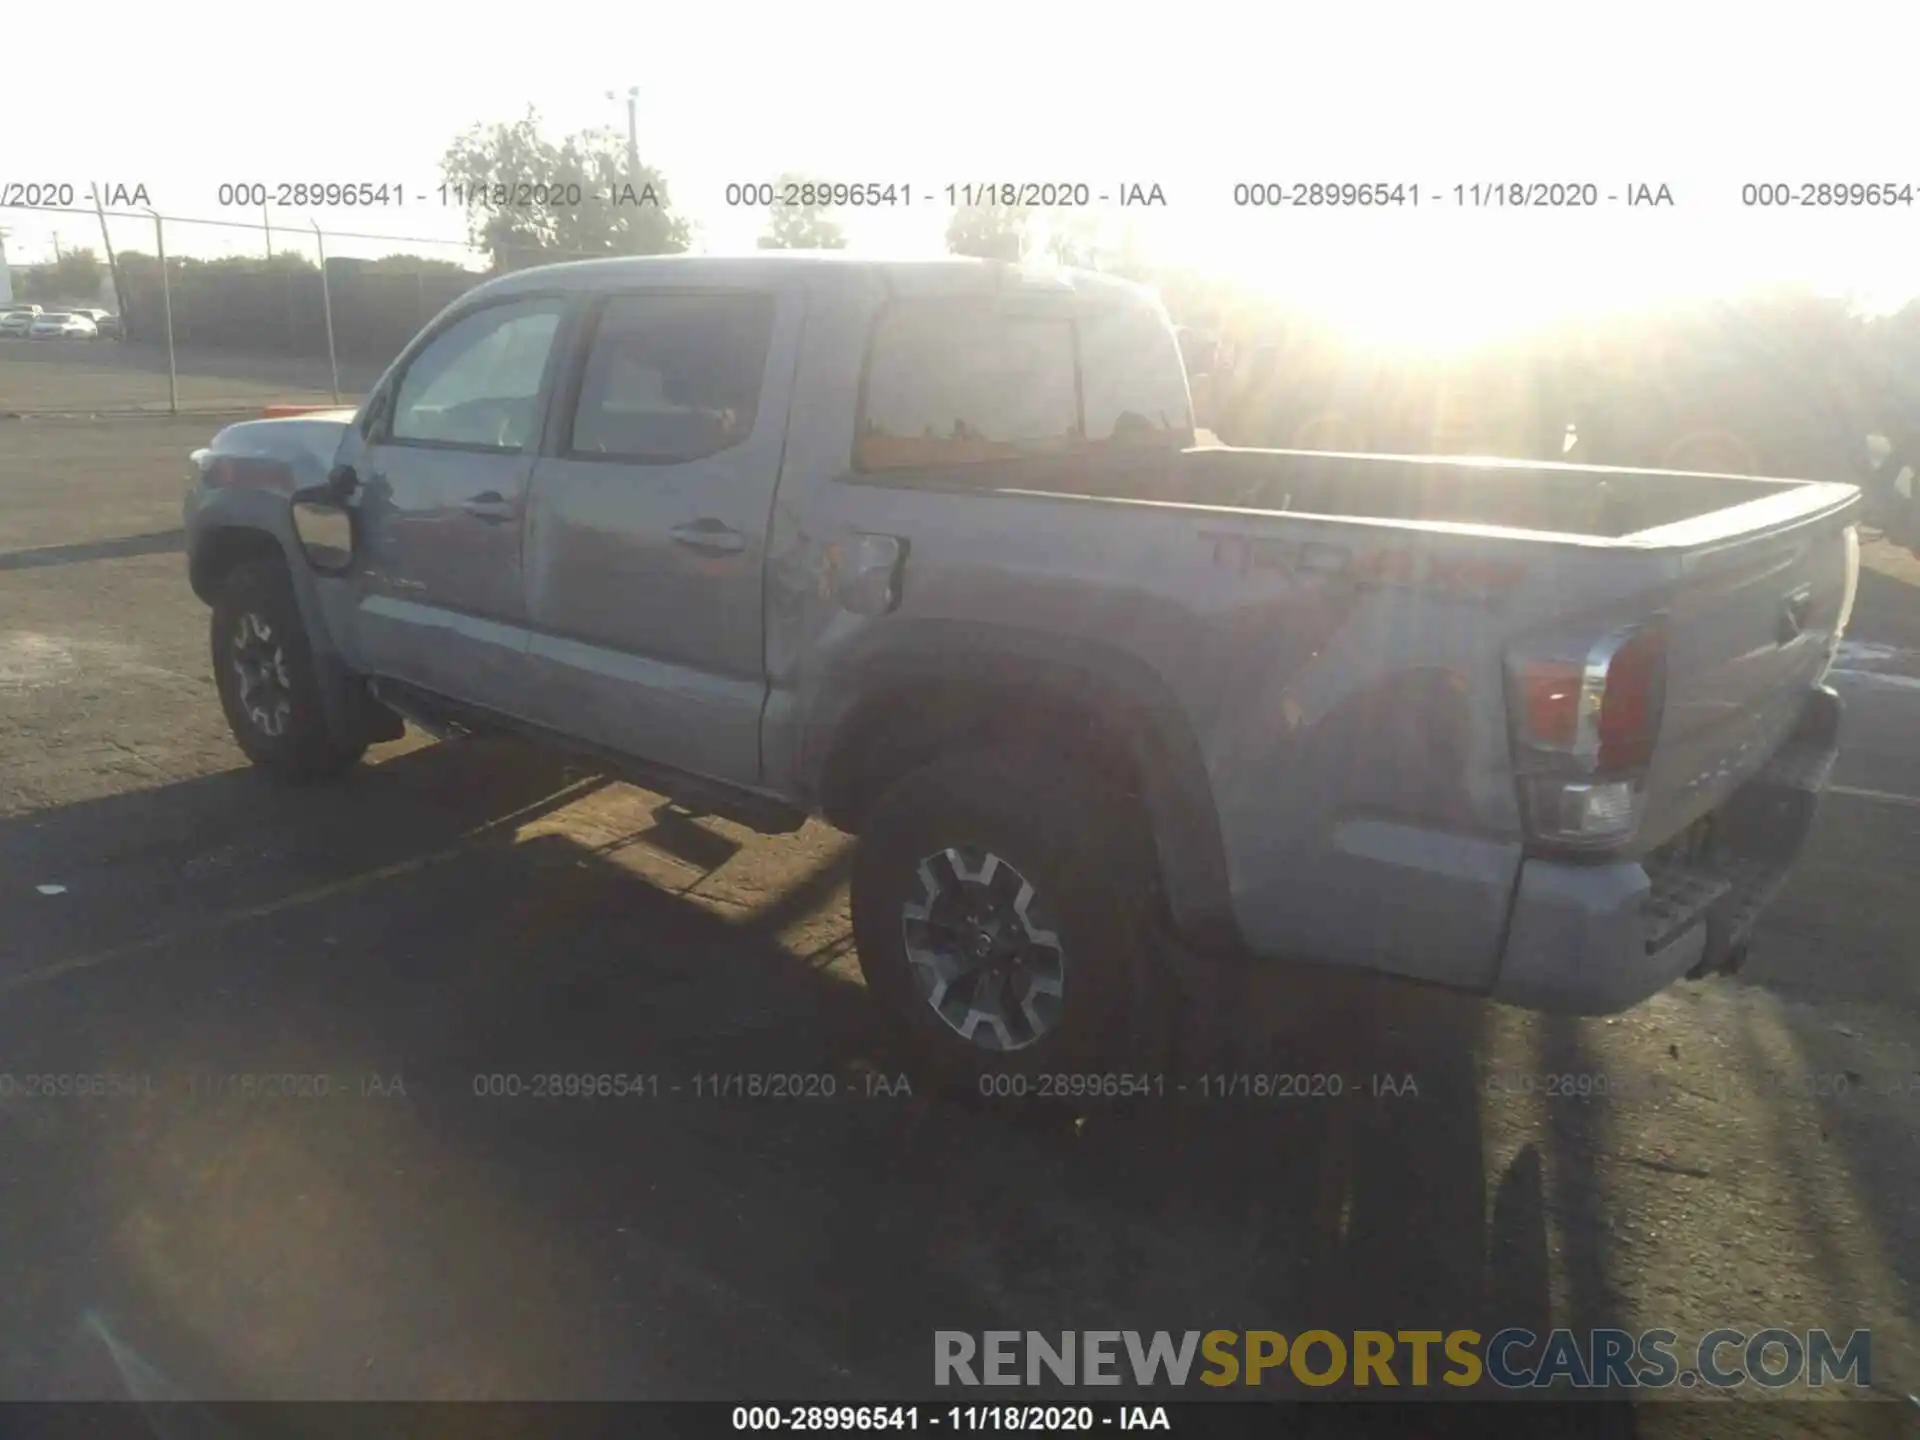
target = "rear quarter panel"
x: 1345, y: 696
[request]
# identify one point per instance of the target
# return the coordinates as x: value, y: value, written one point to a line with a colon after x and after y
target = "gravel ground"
x: 475, y: 910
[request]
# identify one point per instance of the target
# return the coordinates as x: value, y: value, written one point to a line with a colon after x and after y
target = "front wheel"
x: 264, y: 669
x: 1002, y: 914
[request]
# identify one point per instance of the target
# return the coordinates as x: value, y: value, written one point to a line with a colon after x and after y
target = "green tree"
x: 1074, y: 238
x: 281, y: 261
x: 618, y: 212
x: 991, y: 232
x: 401, y: 262
x: 800, y: 227
x: 77, y: 274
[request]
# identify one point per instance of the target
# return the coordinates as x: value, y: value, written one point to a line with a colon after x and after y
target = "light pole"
x: 166, y: 298
x: 633, y: 134
x: 326, y: 304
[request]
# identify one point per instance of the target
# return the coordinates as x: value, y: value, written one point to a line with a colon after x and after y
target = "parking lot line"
x: 1885, y: 797
x: 221, y: 923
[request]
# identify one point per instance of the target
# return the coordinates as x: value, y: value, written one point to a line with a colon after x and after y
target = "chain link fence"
x: 233, y: 315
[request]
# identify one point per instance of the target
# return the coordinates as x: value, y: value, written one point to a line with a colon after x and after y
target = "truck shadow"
x: 694, y: 1238
x: 158, y: 542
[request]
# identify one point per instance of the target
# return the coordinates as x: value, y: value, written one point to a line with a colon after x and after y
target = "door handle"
x: 491, y: 506
x: 710, y: 537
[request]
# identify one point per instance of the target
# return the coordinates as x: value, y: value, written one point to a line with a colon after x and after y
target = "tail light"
x: 1585, y: 719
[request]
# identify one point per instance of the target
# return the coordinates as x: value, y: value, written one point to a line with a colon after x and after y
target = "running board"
x: 694, y: 794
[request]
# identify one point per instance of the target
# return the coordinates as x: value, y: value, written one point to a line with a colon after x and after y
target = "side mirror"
x: 324, y: 522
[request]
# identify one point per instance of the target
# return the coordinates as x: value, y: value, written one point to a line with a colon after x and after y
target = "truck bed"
x: 1337, y: 628
x: 1524, y: 495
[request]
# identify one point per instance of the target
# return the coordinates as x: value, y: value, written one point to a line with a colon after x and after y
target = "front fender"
x: 230, y: 524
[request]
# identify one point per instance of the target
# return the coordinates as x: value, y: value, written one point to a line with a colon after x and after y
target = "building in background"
x: 6, y: 275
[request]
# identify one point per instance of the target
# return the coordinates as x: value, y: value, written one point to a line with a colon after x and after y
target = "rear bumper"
x: 1596, y: 939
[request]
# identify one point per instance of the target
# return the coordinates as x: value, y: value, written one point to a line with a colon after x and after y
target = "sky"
x: 1194, y: 97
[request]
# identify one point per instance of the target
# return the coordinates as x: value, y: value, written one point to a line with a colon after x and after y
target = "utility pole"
x: 326, y: 304
x: 633, y: 144
x: 267, y: 225
x: 166, y: 298
x: 113, y: 265
x: 633, y: 134
x: 633, y: 137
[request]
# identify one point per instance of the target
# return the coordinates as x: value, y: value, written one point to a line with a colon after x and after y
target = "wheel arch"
x: 247, y: 530
x: 921, y: 689
x: 219, y: 549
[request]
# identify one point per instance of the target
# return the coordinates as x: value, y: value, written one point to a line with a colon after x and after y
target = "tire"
x: 279, y: 719
x: 1084, y: 960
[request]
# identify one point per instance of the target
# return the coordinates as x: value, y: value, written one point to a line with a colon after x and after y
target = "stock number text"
x: 1318, y: 194
x: 1071, y: 1086
x: 859, y: 193
x: 826, y: 1417
x: 1826, y: 193
x: 558, y: 1086
x: 255, y: 193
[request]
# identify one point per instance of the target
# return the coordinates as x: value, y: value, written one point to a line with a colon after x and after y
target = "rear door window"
x: 672, y: 378
x: 954, y: 383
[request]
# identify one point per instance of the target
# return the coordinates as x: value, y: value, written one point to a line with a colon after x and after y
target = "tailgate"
x: 1758, y: 603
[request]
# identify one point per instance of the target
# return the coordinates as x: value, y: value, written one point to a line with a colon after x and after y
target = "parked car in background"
x: 63, y: 325
x: 105, y: 322
x: 19, y: 322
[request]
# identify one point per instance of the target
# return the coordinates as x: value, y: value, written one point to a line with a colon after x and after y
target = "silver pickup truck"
x: 929, y: 550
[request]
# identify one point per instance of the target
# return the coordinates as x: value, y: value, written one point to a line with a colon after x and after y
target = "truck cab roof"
x: 956, y: 275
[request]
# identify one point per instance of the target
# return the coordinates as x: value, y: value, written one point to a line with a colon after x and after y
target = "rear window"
x: 1134, y: 380
x: 950, y: 382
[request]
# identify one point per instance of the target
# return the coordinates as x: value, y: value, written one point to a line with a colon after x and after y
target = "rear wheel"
x: 264, y: 669
x: 1003, y: 916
